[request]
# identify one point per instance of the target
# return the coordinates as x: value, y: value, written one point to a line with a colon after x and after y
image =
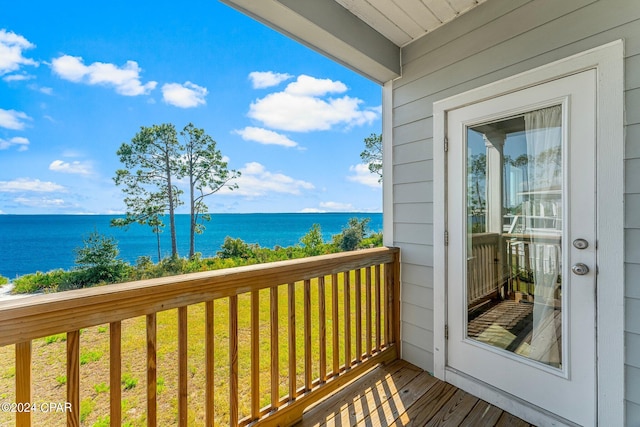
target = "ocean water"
x: 30, y: 243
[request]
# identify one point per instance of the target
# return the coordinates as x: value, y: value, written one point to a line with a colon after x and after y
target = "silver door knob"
x: 580, y: 269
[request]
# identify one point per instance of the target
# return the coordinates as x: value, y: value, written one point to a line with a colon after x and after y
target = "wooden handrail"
x: 377, y: 270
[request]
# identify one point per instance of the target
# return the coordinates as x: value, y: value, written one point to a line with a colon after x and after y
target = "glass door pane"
x: 514, y: 230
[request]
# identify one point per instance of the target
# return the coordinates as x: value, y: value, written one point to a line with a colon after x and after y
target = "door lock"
x: 580, y: 244
x: 580, y: 269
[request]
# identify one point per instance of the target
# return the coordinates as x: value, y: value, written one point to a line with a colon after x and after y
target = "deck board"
x: 400, y: 394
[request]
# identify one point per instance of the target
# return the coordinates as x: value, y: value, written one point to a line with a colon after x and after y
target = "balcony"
x: 291, y: 334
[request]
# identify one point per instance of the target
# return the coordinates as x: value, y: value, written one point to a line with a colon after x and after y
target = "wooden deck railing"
x: 353, y: 299
x: 484, y: 267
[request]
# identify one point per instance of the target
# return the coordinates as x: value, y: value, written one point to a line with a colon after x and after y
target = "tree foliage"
x: 372, y: 154
x: 206, y: 171
x: 352, y: 235
x: 312, y: 242
x: 151, y: 163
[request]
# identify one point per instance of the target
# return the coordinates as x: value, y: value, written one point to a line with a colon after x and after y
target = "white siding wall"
x: 474, y: 50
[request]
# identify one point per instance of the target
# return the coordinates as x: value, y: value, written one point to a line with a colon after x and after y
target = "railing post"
x: 209, y: 361
x: 182, y: 367
x: 292, y: 340
x: 275, y: 361
x: 396, y: 303
x: 322, y: 316
x: 73, y: 378
x: 307, y: 335
x: 23, y: 382
x: 347, y: 320
x: 233, y: 360
x: 255, y: 355
x: 152, y: 405
x: 115, y: 373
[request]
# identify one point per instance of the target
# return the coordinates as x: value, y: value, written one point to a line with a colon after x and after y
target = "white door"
x: 521, y: 260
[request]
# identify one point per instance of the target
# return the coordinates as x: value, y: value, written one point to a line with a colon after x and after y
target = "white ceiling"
x: 403, y: 21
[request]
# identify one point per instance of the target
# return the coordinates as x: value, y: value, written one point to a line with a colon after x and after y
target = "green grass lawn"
x: 49, y: 361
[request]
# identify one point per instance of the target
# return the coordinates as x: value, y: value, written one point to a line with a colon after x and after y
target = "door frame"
x: 608, y: 61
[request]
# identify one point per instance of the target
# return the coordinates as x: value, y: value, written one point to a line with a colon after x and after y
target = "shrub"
x: 37, y: 282
x: 98, y: 261
x: 235, y: 248
x: 3, y: 280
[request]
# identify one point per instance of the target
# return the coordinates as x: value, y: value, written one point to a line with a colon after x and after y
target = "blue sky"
x: 77, y: 81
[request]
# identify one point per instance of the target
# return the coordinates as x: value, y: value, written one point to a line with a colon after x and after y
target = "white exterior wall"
x: 473, y: 50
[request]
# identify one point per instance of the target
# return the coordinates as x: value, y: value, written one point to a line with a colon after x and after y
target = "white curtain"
x: 543, y: 131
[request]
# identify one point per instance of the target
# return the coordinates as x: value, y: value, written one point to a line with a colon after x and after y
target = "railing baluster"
x: 115, y: 373
x: 396, y: 302
x: 378, y: 318
x: 388, y: 296
x: 358, y: 315
x: 23, y: 381
x: 275, y: 363
x: 73, y: 378
x: 152, y: 370
x: 255, y: 355
x: 334, y: 321
x: 322, y: 319
x: 347, y: 320
x: 182, y: 367
x: 233, y: 360
x: 369, y: 314
x: 307, y: 335
x: 292, y: 340
x: 209, y: 361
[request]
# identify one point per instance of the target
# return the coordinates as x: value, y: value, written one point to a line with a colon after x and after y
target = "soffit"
x: 403, y: 21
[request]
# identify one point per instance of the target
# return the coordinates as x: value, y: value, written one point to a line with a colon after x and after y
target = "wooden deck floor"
x: 400, y: 394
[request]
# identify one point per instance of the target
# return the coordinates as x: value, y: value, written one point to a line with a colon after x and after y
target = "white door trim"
x: 608, y: 62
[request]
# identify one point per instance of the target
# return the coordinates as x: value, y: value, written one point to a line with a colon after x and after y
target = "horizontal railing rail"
x: 326, y: 319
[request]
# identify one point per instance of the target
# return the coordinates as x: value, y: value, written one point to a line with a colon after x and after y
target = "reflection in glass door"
x: 514, y: 227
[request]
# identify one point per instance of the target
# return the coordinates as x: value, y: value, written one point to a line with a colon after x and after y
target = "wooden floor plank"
x: 483, y: 414
x: 455, y: 410
x: 427, y: 406
x: 400, y: 394
x: 386, y: 412
x: 508, y: 420
x: 331, y: 406
x: 368, y: 401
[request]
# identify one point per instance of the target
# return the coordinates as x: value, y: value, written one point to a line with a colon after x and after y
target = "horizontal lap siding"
x: 496, y: 40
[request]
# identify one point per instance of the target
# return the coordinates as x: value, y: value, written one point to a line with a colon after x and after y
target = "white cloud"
x: 18, y: 141
x: 310, y: 86
x: 125, y: 79
x: 12, y: 119
x: 362, y: 175
x: 75, y: 167
x: 257, y: 181
x: 337, y: 206
x: 28, y: 184
x: 40, y: 202
x: 18, y: 77
x: 303, y: 107
x: 11, y: 47
x: 264, y: 79
x: 185, y: 95
x: 265, y: 136
x: 330, y: 207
